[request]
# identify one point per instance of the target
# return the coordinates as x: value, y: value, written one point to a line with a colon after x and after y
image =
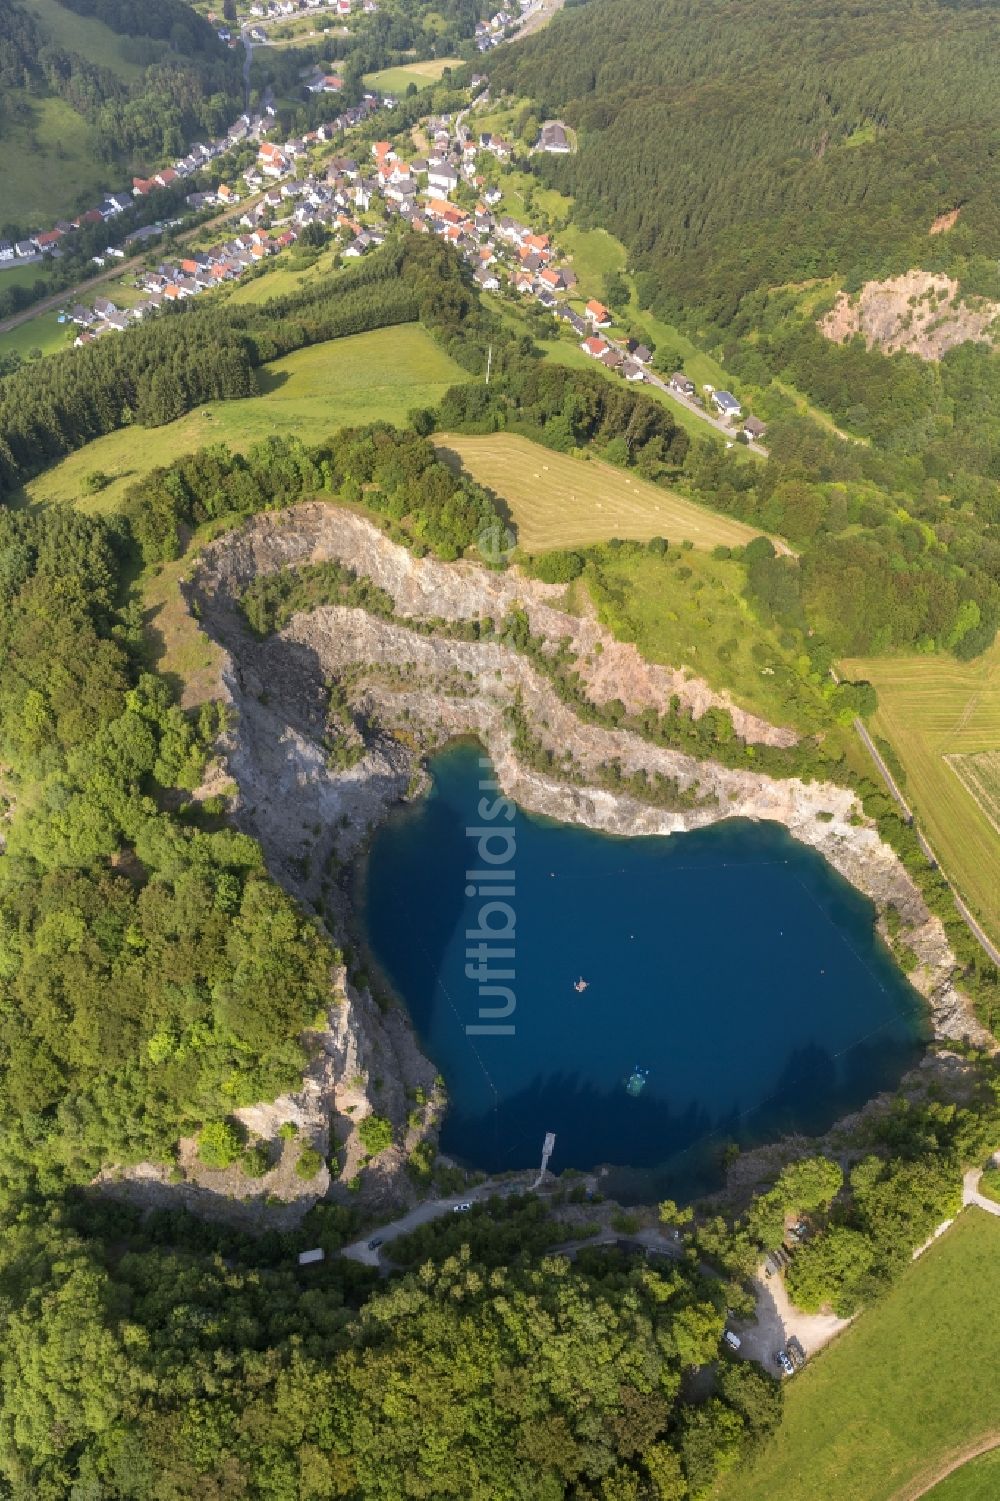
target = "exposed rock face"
x: 426, y: 589
x: 410, y: 690
x: 919, y: 312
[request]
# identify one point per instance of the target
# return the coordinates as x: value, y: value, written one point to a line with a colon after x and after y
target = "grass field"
x: 49, y: 165
x: 45, y: 333
x: 177, y: 647
x: 398, y: 80
x: 308, y: 395
x: 688, y: 608
x: 978, y: 1480
x: 21, y: 274
x: 979, y: 774
x: 559, y: 501
x: 594, y: 253
x: 931, y: 708
x: 280, y: 278
x: 90, y: 38
x: 525, y: 198
x: 878, y: 1412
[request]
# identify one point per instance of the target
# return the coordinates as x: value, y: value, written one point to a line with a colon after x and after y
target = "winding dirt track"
x: 927, y: 1480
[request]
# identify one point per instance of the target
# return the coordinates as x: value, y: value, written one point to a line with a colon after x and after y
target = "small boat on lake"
x: 581, y: 985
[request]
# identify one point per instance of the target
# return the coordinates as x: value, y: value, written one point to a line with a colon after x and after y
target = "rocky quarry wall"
x: 411, y: 690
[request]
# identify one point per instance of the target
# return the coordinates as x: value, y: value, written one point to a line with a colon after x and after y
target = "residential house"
x: 442, y: 177
x: 597, y: 313
x: 6, y: 250
x: 726, y: 404
x: 486, y: 279
x: 639, y: 352
x: 632, y: 370
x: 680, y: 383
x: 553, y: 139
x: 595, y: 347
x: 754, y: 429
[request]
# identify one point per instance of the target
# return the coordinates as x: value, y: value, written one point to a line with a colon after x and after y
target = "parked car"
x: 796, y: 1352
x: 461, y: 1208
x: 732, y: 1340
x: 373, y: 1245
x: 787, y: 1369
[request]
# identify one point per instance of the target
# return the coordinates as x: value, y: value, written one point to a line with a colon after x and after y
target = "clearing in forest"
x: 936, y: 712
x: 379, y: 375
x: 877, y: 1415
x: 423, y: 74
x: 559, y: 501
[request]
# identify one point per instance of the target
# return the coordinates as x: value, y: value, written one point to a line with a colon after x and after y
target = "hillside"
x: 765, y: 143
x: 89, y: 88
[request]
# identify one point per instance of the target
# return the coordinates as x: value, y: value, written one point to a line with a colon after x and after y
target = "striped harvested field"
x: 980, y: 775
x: 559, y: 501
x: 942, y: 717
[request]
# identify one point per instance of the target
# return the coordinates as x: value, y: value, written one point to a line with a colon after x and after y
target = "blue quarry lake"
x: 731, y: 975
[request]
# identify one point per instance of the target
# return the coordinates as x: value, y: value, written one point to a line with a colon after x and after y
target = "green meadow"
x: 880, y: 1413
x: 367, y: 377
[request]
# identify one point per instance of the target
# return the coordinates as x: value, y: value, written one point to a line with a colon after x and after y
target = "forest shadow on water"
x: 735, y: 988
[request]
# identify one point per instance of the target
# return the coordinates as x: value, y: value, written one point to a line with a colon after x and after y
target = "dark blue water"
x: 732, y: 966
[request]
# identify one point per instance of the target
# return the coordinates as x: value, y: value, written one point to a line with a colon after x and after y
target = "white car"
x: 732, y: 1340
x: 461, y: 1208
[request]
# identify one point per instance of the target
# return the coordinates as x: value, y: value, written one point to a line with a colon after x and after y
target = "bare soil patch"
x: 944, y: 222
x: 928, y: 1480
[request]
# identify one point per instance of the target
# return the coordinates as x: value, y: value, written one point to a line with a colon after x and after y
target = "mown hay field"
x: 933, y: 710
x: 556, y: 500
x: 878, y: 1414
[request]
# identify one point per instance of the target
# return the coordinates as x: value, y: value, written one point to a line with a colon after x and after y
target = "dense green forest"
x: 190, y: 83
x: 184, y: 1362
x: 755, y: 144
x: 138, y: 994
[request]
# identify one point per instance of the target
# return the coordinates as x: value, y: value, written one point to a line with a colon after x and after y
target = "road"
x: 654, y: 1239
x: 726, y: 428
x: 431, y: 1209
x: 540, y: 15
x: 247, y: 63
x: 971, y: 1194
x: 776, y: 1321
